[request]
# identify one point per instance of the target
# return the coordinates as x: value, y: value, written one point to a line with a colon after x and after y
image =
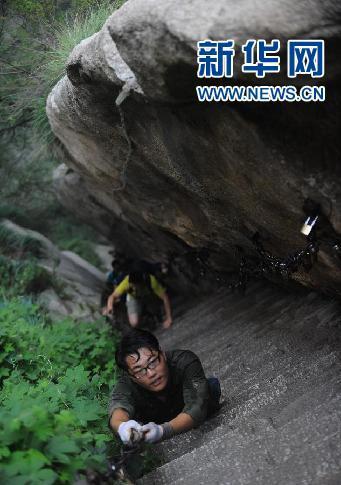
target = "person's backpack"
x: 144, y: 290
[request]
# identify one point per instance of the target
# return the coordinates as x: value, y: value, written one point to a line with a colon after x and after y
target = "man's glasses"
x: 152, y: 365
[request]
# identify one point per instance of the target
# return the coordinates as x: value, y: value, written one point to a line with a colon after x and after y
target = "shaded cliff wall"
x: 165, y: 173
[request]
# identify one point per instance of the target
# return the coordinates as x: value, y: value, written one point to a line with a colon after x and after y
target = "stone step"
x: 277, y: 355
x: 306, y: 450
x: 278, y: 412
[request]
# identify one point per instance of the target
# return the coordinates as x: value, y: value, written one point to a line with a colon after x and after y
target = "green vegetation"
x: 17, y: 245
x: 54, y: 378
x: 46, y: 34
x: 55, y: 383
x: 52, y: 220
x: 36, y: 39
x: 66, y: 35
x: 19, y: 269
x: 77, y: 238
x: 23, y: 277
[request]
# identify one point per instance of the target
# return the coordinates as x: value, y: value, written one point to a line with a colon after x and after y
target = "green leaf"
x: 101, y: 439
x: 60, y: 447
x: 65, y: 418
x: 15, y: 424
x: 45, y: 476
x: 4, y: 451
x: 54, y: 396
x: 87, y: 410
x: 26, y: 461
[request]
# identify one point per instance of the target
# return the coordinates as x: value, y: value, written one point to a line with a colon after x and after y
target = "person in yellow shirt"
x: 139, y: 288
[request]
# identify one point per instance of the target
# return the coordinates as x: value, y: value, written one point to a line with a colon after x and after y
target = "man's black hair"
x: 132, y: 342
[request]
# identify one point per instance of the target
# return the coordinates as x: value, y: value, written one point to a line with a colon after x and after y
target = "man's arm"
x: 118, y: 417
x: 110, y: 302
x: 181, y: 423
x: 129, y: 430
x: 154, y: 433
x: 122, y: 403
x: 117, y: 293
x: 160, y: 291
x: 195, y: 397
x: 167, y: 306
x: 195, y: 387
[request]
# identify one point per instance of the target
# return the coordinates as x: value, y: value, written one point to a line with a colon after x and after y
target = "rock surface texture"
x: 277, y: 356
x: 79, y: 284
x: 161, y: 172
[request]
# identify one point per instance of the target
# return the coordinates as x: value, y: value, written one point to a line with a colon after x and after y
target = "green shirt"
x: 186, y: 391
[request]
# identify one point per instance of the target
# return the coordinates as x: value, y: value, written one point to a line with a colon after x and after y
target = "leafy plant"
x: 23, y: 277
x: 55, y: 383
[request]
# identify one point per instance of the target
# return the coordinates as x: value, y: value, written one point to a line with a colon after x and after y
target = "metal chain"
x: 270, y: 264
x: 126, y: 454
x: 116, y: 469
x: 265, y: 264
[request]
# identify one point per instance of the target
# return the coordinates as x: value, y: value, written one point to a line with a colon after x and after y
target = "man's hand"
x: 167, y: 323
x: 104, y: 311
x: 152, y: 432
x: 130, y: 432
x: 110, y: 305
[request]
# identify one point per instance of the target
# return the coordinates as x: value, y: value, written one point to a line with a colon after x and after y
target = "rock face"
x: 79, y: 283
x: 277, y: 356
x: 161, y: 172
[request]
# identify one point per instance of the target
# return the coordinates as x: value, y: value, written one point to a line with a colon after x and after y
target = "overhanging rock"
x: 175, y: 173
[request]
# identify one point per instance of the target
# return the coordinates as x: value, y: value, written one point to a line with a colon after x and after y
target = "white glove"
x: 152, y: 432
x: 125, y: 431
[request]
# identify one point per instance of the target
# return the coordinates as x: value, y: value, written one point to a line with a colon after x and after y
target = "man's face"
x: 154, y: 367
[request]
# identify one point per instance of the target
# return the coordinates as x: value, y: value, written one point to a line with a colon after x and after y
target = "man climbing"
x: 160, y: 394
x: 141, y: 289
x: 114, y: 278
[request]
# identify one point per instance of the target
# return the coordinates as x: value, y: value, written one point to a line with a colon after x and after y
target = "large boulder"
x: 48, y: 252
x: 76, y: 285
x: 168, y: 173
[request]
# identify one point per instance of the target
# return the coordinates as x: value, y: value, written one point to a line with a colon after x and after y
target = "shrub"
x: 30, y: 77
x: 23, y: 277
x: 56, y: 225
x: 14, y: 244
x: 55, y: 383
x: 78, y: 238
x: 24, y: 329
x: 66, y: 36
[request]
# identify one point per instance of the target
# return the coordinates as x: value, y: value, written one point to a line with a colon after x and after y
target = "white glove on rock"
x: 125, y: 431
x: 152, y: 432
